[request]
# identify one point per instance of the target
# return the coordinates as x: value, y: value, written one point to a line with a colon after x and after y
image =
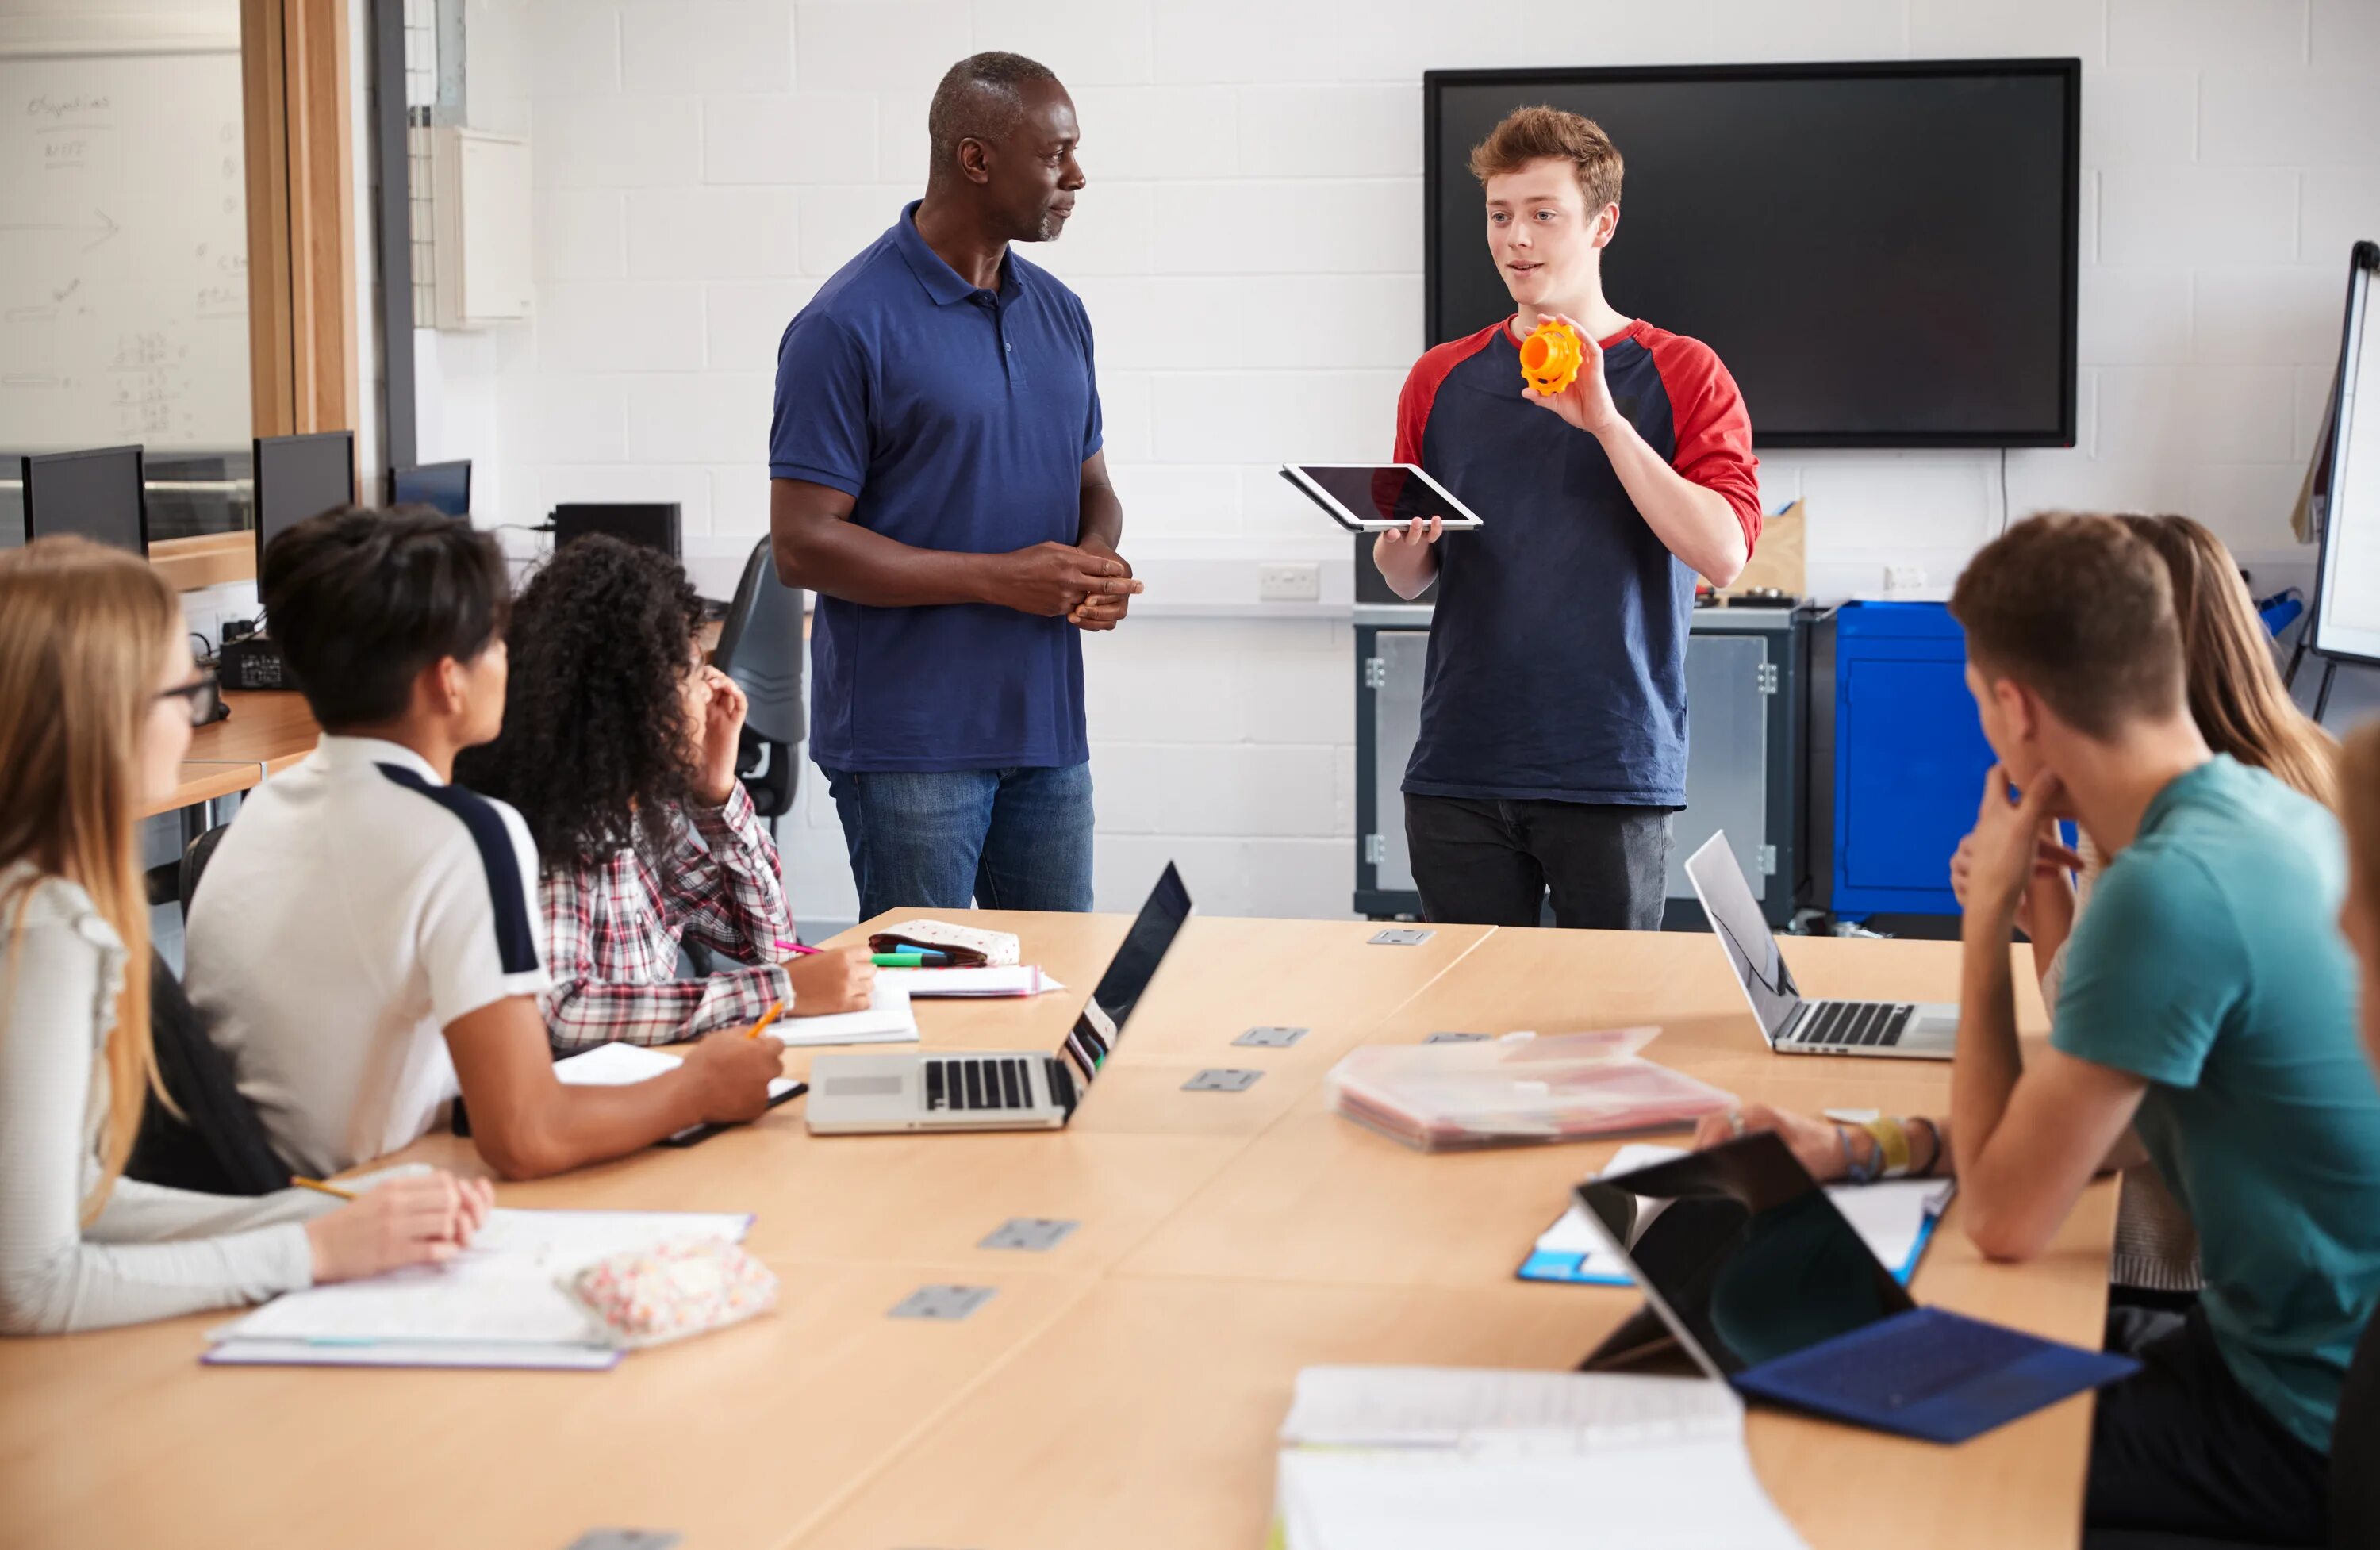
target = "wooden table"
x: 206, y: 560
x: 267, y: 732
x: 1122, y: 1389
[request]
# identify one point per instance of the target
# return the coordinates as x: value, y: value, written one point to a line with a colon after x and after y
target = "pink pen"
x: 797, y: 949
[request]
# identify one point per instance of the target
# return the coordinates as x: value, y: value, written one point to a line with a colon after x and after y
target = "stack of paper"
x: 498, y: 1303
x: 622, y: 1065
x: 1402, y: 1457
x: 1021, y: 979
x: 1895, y: 1217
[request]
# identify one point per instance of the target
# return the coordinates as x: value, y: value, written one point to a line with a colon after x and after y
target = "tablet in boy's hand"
x: 1375, y: 497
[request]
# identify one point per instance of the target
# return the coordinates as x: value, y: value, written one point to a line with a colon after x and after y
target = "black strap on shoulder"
x: 516, y: 943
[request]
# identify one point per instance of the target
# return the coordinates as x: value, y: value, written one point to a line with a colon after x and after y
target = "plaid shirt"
x: 611, y: 936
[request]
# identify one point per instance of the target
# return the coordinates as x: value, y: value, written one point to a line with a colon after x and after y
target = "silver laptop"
x: 1792, y: 1023
x: 1005, y: 1089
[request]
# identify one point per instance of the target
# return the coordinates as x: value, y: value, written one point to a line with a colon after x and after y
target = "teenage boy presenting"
x: 2209, y: 1006
x: 1554, y: 723
x: 363, y: 945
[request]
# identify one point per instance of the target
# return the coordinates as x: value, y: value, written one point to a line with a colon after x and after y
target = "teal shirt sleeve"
x: 2155, y: 965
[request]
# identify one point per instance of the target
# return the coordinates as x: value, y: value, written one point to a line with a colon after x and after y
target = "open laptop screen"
x: 1752, y: 949
x: 1745, y: 1251
x: 1134, y: 965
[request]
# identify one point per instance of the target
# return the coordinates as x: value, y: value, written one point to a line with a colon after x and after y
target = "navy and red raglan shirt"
x: 1557, y: 650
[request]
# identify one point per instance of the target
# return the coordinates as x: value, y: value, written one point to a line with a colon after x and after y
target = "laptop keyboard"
x: 1905, y: 1364
x: 1856, y: 1023
x: 985, y: 1083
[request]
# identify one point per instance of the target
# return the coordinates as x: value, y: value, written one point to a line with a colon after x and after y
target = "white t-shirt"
x: 356, y: 906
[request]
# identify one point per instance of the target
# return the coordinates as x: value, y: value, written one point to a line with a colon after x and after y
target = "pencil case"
x: 966, y: 946
x: 691, y: 1286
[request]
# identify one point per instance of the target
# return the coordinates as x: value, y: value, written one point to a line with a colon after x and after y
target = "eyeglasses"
x: 203, y: 695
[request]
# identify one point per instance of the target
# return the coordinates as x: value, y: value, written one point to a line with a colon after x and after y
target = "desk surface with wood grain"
x: 267, y: 733
x: 1123, y: 1388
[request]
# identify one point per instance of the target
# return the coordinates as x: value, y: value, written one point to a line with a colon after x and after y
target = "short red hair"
x: 1541, y: 134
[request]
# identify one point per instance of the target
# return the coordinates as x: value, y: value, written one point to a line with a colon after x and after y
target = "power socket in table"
x: 1032, y: 1234
x: 1223, y: 1079
x: 944, y: 1302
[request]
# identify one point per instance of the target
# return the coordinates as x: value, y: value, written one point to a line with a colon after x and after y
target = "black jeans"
x: 2180, y: 1447
x: 1492, y: 862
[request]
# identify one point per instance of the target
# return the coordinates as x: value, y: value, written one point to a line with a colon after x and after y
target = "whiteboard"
x: 123, y: 252
x: 2347, y: 599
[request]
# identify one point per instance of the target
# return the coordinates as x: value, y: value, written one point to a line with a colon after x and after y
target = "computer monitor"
x: 97, y: 494
x: 444, y: 487
x: 652, y: 524
x: 298, y: 476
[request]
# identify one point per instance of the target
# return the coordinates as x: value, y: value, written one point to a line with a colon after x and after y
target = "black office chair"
x: 194, y: 864
x: 216, y: 1144
x: 760, y: 647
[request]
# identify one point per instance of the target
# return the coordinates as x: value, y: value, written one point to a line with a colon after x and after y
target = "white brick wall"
x: 1249, y: 247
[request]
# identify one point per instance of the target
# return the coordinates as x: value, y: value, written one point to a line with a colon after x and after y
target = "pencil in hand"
x: 776, y: 1009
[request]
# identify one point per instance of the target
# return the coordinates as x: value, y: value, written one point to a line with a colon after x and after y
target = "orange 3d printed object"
x: 1549, y: 356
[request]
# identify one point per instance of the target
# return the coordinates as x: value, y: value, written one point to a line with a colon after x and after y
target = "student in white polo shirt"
x: 362, y: 942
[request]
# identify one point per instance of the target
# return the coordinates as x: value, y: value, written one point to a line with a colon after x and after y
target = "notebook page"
x: 1688, y: 1496
x: 502, y: 1288
x: 1521, y: 1410
x: 1024, y: 979
x: 1889, y: 1215
x: 886, y: 1020
x: 620, y: 1065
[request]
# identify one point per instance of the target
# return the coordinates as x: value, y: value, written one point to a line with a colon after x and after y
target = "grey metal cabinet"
x: 1745, y: 723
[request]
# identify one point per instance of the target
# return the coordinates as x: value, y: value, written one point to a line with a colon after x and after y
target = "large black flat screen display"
x: 1882, y: 254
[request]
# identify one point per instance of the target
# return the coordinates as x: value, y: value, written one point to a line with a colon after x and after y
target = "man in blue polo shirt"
x: 936, y: 478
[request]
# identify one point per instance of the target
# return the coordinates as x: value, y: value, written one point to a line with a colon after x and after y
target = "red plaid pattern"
x: 611, y: 936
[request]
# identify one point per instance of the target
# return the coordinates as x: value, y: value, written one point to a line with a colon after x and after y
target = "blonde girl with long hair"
x: 98, y: 695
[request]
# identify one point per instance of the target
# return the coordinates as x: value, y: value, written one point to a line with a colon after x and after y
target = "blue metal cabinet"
x: 1910, y: 758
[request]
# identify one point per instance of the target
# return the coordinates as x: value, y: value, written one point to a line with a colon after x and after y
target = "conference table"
x: 1123, y: 1387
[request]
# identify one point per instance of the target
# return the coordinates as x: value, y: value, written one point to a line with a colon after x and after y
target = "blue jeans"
x: 1010, y: 838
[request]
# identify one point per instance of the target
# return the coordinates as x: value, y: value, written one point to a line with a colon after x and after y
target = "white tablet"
x: 1369, y: 497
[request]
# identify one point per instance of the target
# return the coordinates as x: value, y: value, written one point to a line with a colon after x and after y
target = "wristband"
x: 1934, y: 1148
x: 1891, y: 1146
x: 1857, y: 1172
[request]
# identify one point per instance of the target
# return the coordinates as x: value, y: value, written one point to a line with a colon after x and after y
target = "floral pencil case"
x: 964, y: 946
x: 648, y: 1297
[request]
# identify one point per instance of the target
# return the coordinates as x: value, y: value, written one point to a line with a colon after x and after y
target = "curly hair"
x: 595, y: 729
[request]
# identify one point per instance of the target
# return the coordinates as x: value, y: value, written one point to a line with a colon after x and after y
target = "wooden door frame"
x: 296, y: 89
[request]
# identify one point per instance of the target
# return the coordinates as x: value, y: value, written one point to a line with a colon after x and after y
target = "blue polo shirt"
x: 956, y: 419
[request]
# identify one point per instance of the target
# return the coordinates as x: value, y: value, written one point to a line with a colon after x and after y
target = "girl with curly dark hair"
x: 618, y: 748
